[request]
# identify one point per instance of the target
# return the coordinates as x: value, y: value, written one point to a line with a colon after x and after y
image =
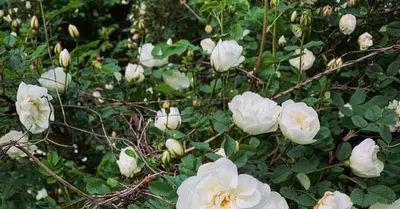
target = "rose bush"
x: 227, y: 104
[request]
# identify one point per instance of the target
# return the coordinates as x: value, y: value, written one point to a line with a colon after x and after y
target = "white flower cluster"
x: 257, y: 115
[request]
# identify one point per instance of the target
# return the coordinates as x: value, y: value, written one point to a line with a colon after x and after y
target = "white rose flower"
x: 299, y: 122
x: 276, y: 201
x: 334, y: 200
x: 147, y: 59
x: 395, y: 205
x: 176, y: 80
x: 134, y: 73
x: 41, y: 194
x: 175, y: 147
x: 207, y: 45
x: 364, y: 161
x: 365, y: 41
x: 225, y: 55
x: 218, y: 185
x: 348, y: 105
x: 165, y: 121
x: 307, y: 59
x: 55, y: 79
x: 34, y: 107
x: 395, y: 105
x: 254, y: 114
x: 347, y: 24
x: 7, y: 18
x: 282, y: 41
x: 128, y: 164
x: 13, y: 152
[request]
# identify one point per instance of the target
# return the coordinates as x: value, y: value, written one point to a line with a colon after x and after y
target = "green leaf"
x: 358, y: 97
x: 160, y: 188
x: 385, y: 194
x: 229, y: 145
x: 84, y: 48
x: 344, y: 152
x: 164, y: 88
x: 393, y: 68
x: 281, y: 173
x: 305, y: 166
x: 236, y: 32
x: 371, y: 127
x: 304, y: 180
x: 373, y: 113
x: 347, y: 112
x: 364, y: 200
x: 288, y: 193
x: 393, y: 28
x: 313, y: 44
x: 385, y: 133
x: 239, y: 158
x: 72, y: 5
x: 359, y: 121
x: 220, y: 127
x: 201, y: 146
x: 175, y: 134
x: 306, y: 200
x: 53, y: 158
x: 96, y: 186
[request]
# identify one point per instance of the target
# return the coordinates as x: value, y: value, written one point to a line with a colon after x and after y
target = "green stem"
x: 329, y: 167
x: 212, y: 94
x: 221, y: 24
x: 45, y: 31
x: 274, y: 36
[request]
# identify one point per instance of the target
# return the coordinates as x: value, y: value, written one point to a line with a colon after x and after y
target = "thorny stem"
x: 262, y: 44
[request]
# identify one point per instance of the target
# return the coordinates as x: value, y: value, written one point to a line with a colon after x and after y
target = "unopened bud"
x: 282, y: 41
x: 208, y: 28
x: 28, y: 5
x: 57, y: 48
x: 73, y: 31
x: 114, y: 134
x: 64, y: 58
x: 346, y: 163
x: 305, y: 19
x: 166, y: 158
x: 136, y: 37
x: 293, y: 17
x: 334, y: 63
x: 352, y: 3
x: 141, y: 25
x: 196, y: 102
x: 14, y: 24
x: 11, y: 12
x: 97, y: 64
x: 133, y: 30
x: 169, y: 41
x: 34, y: 23
x: 166, y: 104
x: 1, y: 13
x: 237, y: 145
x: 327, y: 11
x: 274, y: 3
x: 175, y: 147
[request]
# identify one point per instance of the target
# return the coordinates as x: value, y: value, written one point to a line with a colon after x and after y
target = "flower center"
x: 222, y: 200
x: 300, y: 119
x: 398, y: 110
